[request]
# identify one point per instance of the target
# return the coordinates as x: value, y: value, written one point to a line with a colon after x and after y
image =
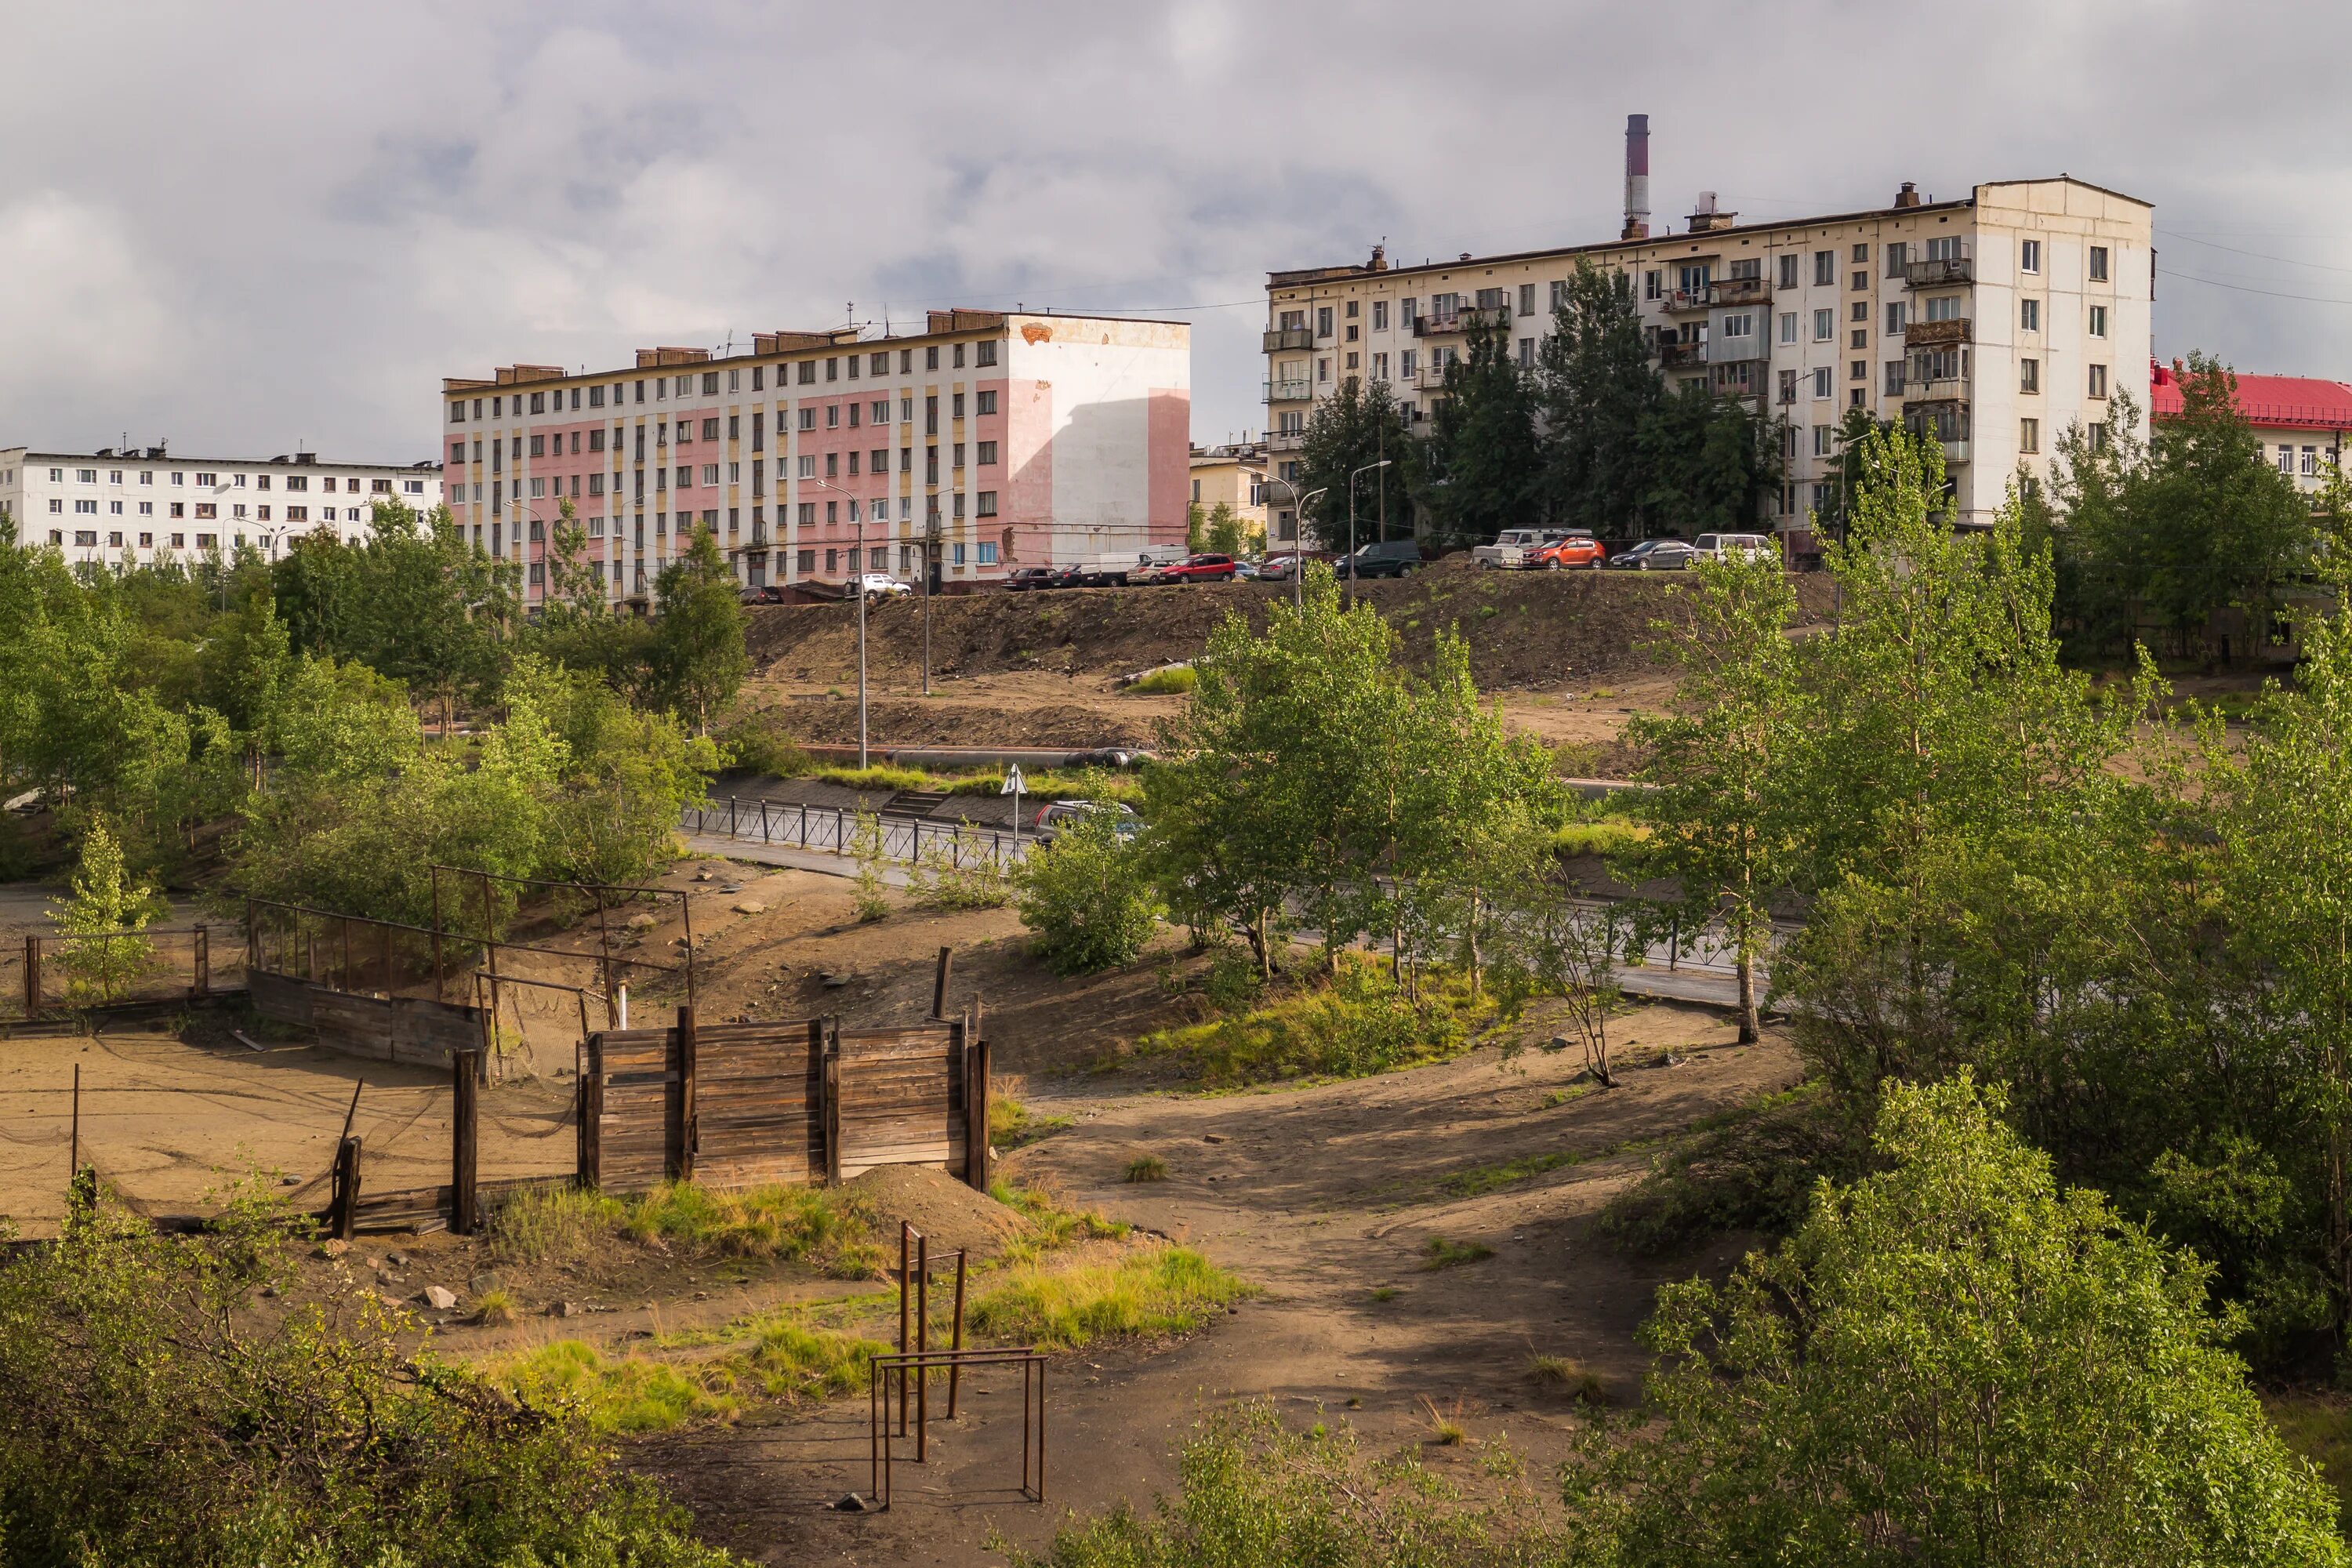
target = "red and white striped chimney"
x: 1637, y: 177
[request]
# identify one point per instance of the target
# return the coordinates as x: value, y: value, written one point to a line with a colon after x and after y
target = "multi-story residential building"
x: 1232, y: 476
x: 2301, y: 421
x: 997, y: 439
x: 1996, y: 320
x: 138, y: 505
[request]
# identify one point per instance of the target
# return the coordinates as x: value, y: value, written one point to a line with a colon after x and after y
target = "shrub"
x: 872, y: 899
x: 1010, y: 1123
x: 612, y: 1393
x: 1439, y: 1253
x: 959, y: 874
x: 1174, y: 681
x: 1360, y: 1023
x: 1147, y: 1168
x: 1085, y: 897
x: 758, y: 743
x: 160, y: 1413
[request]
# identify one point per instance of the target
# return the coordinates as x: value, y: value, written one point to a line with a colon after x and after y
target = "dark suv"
x: 1392, y: 558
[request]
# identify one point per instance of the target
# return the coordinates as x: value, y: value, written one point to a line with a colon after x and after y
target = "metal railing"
x: 1295, y: 391
x: 833, y: 830
x: 1940, y: 270
x: 1278, y: 339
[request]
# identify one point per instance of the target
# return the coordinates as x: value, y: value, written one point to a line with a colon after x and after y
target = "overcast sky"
x: 244, y: 227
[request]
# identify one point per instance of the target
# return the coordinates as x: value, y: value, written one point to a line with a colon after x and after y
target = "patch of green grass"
x: 1439, y: 1253
x: 1079, y: 783
x: 623, y: 1393
x: 1153, y: 1293
x: 1012, y: 1125
x: 574, y: 1226
x: 1384, y: 1292
x: 1562, y: 1373
x: 1481, y: 1179
x: 792, y: 1360
x: 1050, y: 1225
x: 1560, y: 1097
x: 493, y: 1306
x: 552, y: 1225
x: 1752, y: 1167
x: 880, y: 777
x: 2319, y: 1427
x: 1147, y: 1168
x: 1357, y: 1024
x: 1605, y: 837
x: 1176, y: 680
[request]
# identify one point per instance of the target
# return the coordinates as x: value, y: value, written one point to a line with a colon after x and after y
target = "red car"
x: 1197, y: 569
x: 1575, y: 550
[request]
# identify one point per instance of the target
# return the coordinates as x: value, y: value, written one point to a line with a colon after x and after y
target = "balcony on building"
x: 1938, y: 334
x: 1468, y: 317
x: 1941, y: 270
x: 1282, y: 338
x: 1293, y: 391
x: 1739, y: 291
x: 1286, y: 441
x: 1682, y: 302
x: 1674, y: 353
x: 1430, y: 378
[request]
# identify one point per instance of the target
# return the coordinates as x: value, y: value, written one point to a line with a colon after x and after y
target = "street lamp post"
x: 858, y: 576
x: 1299, y: 536
x: 1359, y: 473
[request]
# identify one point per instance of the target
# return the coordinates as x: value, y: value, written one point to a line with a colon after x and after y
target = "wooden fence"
x: 416, y: 1030
x: 737, y: 1105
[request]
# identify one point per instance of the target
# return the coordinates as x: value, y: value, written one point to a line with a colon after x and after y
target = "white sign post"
x: 1013, y: 786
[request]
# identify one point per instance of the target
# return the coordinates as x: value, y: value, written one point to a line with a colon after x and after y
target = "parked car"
x: 1651, y: 555
x: 881, y: 585
x: 1515, y: 548
x: 1196, y: 569
x: 1733, y: 546
x: 764, y: 593
x: 1077, y: 574
x: 1057, y: 814
x: 1026, y: 579
x: 1578, y: 549
x: 1109, y: 570
x: 1390, y: 558
x: 1280, y: 565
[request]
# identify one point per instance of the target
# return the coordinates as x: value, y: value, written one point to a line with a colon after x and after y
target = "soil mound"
x: 951, y: 1214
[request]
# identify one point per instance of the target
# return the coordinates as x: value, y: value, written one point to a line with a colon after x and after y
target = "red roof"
x: 2274, y: 402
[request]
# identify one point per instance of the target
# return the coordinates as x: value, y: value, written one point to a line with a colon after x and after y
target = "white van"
x: 1731, y: 546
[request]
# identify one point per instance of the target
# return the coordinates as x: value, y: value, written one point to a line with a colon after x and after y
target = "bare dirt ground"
x: 1565, y: 653
x: 1324, y: 1198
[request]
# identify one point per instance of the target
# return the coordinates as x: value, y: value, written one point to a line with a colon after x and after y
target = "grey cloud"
x: 236, y: 226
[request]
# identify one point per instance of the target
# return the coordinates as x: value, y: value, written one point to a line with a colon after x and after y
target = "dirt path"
x: 1321, y: 1196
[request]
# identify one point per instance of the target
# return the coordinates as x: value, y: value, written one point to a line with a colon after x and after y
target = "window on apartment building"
x: 1379, y: 367
x: 2029, y: 256
x: 1323, y: 321
x: 1824, y: 438
x: 833, y: 415
x: 2029, y: 434
x: 1859, y: 311
x: 1821, y: 376
x: 2098, y: 321
x: 1895, y: 323
x: 1787, y: 326
x: 2310, y: 462
x: 2029, y: 315
x: 808, y: 418
x: 1527, y: 354
x: 1824, y: 268
x: 1898, y: 255
x: 2098, y: 387
x: 1861, y: 276
x: 2285, y: 460
x: 1895, y: 378
x: 1652, y: 284
x: 986, y: 455
x: 1788, y: 269
x: 87, y: 507
x: 1946, y: 307
x: 1858, y: 371
x: 1788, y: 386
x: 1824, y: 325
x: 2098, y: 264
x: 1323, y: 370
x: 1859, y: 338
x: 1379, y: 315
x: 1526, y: 299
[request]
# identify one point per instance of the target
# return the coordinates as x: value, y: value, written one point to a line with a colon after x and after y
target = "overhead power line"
x: 2248, y: 289
x: 2256, y: 254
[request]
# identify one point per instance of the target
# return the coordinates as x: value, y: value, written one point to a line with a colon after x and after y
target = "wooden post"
x: 351, y: 1111
x: 73, y: 1145
x: 32, y: 978
x: 975, y: 1111
x: 922, y: 1347
x: 906, y: 1261
x: 939, y: 983
x: 383, y: 950
x: 202, y: 982
x: 464, y: 1126
x: 592, y: 1116
x: 682, y: 1134
x: 955, y: 1341
x: 344, y: 981
x: 832, y: 1103
x: 252, y: 941
x: 342, y: 1212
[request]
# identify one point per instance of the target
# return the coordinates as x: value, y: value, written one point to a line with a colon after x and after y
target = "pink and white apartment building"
x: 1004, y: 439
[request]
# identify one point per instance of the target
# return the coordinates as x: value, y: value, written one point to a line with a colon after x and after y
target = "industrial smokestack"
x: 1637, y: 177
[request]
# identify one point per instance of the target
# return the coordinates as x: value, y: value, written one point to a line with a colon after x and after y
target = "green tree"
x: 107, y: 913
x: 1085, y: 897
x: 1598, y: 395
x: 697, y: 658
x: 1714, y: 462
x: 1953, y: 1361
x: 1480, y: 470
x: 1722, y: 820
x: 1355, y: 427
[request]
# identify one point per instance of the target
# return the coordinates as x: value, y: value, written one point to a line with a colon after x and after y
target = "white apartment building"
x: 1995, y: 320
x: 135, y: 506
x: 992, y: 440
